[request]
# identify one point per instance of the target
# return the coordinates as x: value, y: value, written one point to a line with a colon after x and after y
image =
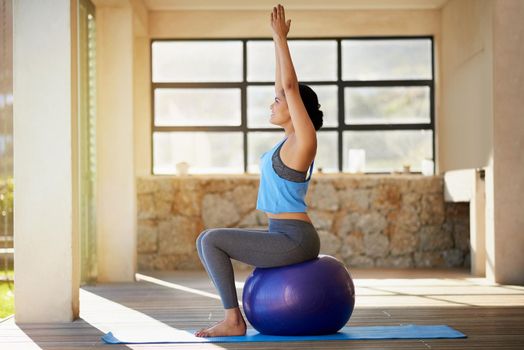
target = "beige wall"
x: 481, y: 123
x: 219, y: 24
x: 122, y: 131
x: 45, y: 135
x: 508, y: 140
x: 116, y: 193
x: 465, y: 122
x: 142, y: 105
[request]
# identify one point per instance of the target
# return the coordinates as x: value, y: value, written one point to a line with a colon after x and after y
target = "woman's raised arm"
x: 286, y: 80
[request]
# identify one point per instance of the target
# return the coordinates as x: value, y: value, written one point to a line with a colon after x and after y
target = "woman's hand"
x: 278, y: 22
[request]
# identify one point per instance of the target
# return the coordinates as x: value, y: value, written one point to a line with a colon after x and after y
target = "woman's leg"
x: 200, y: 253
x: 232, y: 314
x: 257, y: 248
x: 289, y: 242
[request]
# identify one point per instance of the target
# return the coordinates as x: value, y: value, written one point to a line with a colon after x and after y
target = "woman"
x: 291, y: 237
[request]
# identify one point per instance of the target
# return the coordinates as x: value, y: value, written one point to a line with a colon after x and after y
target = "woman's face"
x: 279, y: 110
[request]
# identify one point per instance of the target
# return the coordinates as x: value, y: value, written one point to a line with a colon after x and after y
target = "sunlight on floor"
x: 441, y: 292
x: 16, y: 337
x: 123, y: 322
x: 457, y: 290
x: 141, y: 277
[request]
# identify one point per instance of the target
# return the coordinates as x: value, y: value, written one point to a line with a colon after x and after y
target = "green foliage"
x: 7, y: 297
x: 7, y: 195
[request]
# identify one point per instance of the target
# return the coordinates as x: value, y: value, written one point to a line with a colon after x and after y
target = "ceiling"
x: 159, y: 5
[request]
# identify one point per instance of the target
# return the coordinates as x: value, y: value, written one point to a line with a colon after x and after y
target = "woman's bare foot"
x: 223, y: 329
x: 233, y: 324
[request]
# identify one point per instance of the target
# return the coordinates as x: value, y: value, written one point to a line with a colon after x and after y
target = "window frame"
x: 341, y: 85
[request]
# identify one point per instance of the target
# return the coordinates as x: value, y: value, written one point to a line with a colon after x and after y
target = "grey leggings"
x: 287, y: 241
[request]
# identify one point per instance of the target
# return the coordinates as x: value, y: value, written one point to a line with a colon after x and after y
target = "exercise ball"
x: 310, y: 298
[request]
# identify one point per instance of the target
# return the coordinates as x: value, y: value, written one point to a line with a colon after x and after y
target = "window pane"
x: 197, y: 61
x: 328, y: 99
x: 387, y: 105
x: 260, y: 98
x: 314, y: 60
x: 258, y: 143
x: 261, y: 61
x: 197, y: 107
x: 389, y: 150
x: 386, y: 59
x: 206, y: 152
x: 327, y: 152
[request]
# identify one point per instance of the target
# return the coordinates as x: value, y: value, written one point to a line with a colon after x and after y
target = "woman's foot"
x: 224, y: 328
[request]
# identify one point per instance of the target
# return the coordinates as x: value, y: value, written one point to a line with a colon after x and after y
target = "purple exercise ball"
x: 310, y: 298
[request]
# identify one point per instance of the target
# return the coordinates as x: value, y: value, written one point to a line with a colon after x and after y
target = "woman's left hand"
x: 278, y: 22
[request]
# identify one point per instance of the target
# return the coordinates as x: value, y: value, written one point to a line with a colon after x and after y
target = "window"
x: 211, y: 102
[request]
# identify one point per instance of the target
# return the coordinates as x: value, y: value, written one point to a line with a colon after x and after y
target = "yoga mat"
x: 410, y: 331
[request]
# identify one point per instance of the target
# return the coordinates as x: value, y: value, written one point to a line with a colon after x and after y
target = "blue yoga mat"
x: 347, y: 333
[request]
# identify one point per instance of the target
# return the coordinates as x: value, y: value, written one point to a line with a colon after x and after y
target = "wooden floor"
x: 492, y: 316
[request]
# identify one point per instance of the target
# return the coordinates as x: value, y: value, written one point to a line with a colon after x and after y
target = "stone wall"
x: 364, y: 220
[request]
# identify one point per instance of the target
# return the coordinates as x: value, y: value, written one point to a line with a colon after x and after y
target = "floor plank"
x: 491, y: 315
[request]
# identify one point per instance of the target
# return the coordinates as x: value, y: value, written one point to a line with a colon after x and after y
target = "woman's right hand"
x: 278, y: 22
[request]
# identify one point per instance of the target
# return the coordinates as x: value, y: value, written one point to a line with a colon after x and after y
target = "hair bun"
x: 310, y: 100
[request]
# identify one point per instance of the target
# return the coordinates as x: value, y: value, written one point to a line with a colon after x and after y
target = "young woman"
x: 291, y: 237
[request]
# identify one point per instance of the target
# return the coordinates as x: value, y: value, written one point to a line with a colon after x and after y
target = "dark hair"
x: 310, y: 99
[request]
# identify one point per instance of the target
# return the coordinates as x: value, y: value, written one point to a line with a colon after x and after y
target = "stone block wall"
x: 364, y: 220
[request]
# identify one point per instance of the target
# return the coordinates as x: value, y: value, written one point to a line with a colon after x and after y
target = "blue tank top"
x: 279, y: 195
